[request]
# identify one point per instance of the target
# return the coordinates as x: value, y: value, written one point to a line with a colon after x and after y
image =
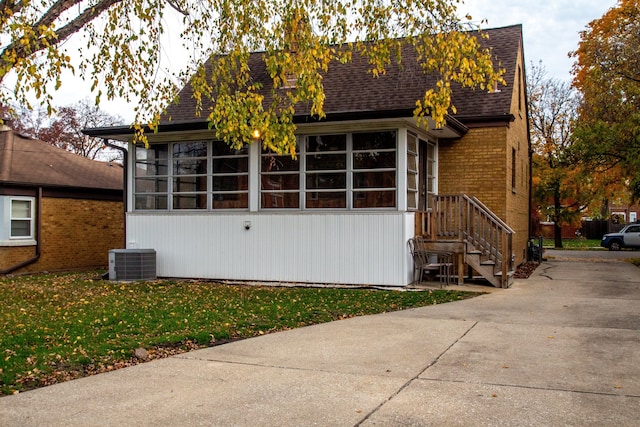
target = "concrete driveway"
x: 559, y: 348
x: 593, y: 255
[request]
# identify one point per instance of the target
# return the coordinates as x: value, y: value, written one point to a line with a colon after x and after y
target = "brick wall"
x: 75, y: 234
x: 476, y: 165
x: 480, y: 164
x: 517, y: 200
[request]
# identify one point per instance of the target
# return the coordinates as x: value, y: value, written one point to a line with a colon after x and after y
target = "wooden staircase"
x: 480, y: 239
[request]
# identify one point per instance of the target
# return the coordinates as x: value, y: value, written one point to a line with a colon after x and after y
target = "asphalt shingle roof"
x: 350, y: 89
x: 25, y: 161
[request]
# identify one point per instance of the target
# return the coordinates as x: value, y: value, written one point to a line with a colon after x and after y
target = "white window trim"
x: 349, y: 171
x: 210, y: 175
x: 6, y: 239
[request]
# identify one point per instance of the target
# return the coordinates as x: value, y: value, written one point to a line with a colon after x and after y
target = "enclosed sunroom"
x: 364, y: 180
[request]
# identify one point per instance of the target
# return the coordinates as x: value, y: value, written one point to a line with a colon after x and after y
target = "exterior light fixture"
x: 255, y: 134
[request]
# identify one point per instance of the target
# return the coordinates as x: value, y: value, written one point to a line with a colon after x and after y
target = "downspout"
x: 36, y: 257
x: 125, y: 159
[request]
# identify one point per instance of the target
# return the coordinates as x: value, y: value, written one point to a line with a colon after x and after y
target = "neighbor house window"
x: 21, y: 219
x: 332, y: 171
x: 194, y: 175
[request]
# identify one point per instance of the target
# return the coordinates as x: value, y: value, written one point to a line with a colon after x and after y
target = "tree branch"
x: 87, y: 15
x: 177, y: 7
x: 9, y: 8
x: 34, y: 45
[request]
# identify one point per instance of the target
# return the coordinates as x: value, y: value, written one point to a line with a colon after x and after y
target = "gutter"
x: 125, y: 184
x: 36, y: 257
x: 123, y: 133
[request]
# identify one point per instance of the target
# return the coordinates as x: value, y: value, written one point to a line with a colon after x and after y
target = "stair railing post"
x: 506, y: 260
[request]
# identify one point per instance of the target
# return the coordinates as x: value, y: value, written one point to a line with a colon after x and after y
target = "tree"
x: 64, y: 128
x: 123, y: 47
x: 607, y: 73
x: 556, y: 171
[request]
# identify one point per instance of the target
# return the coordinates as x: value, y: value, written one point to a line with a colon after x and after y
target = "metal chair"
x: 426, y: 261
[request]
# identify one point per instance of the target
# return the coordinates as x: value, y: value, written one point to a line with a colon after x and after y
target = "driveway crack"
x: 416, y: 377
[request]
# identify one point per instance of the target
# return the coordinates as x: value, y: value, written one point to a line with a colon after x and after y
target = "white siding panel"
x: 349, y: 248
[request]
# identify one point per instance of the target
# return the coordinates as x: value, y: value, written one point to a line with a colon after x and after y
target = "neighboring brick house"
x: 625, y: 213
x: 365, y: 181
x: 58, y: 210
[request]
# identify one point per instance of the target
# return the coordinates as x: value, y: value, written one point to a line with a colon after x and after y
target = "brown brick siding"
x: 480, y: 164
x: 13, y: 255
x: 75, y: 234
x: 518, y: 207
x: 476, y: 165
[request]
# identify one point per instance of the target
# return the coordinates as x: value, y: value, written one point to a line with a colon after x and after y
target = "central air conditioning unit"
x: 132, y: 264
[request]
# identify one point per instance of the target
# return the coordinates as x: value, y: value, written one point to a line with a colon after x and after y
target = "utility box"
x: 132, y: 264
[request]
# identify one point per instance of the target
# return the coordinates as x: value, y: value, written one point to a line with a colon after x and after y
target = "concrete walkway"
x: 559, y: 348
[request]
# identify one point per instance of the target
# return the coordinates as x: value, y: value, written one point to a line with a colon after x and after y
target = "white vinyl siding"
x: 351, y: 247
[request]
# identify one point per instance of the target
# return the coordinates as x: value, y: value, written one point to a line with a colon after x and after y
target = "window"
x: 195, y: 175
x: 151, y: 183
x: 189, y: 167
x: 430, y: 171
x: 230, y: 177
x: 279, y: 181
x: 374, y: 170
x: 326, y: 171
x: 21, y: 219
x: 341, y: 171
x: 412, y: 171
x: 513, y: 170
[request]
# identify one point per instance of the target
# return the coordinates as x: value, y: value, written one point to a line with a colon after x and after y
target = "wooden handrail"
x: 466, y: 219
x: 495, y: 217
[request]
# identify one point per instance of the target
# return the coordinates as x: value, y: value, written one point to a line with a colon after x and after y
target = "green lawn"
x: 576, y: 244
x: 60, y: 327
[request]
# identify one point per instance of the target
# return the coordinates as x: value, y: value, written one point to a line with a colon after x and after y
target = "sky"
x: 550, y: 31
x: 551, y: 28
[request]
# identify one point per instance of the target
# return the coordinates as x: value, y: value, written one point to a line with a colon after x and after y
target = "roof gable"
x: 25, y: 161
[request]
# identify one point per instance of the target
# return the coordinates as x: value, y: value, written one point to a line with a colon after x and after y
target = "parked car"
x: 628, y: 237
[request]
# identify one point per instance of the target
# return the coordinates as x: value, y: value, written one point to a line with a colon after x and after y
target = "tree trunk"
x: 557, y: 229
x: 604, y: 209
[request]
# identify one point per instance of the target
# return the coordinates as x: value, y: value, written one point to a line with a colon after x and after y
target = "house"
x: 58, y: 210
x: 366, y: 179
x: 625, y: 212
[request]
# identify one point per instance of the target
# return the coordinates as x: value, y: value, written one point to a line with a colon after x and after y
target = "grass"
x: 58, y: 327
x: 575, y: 244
